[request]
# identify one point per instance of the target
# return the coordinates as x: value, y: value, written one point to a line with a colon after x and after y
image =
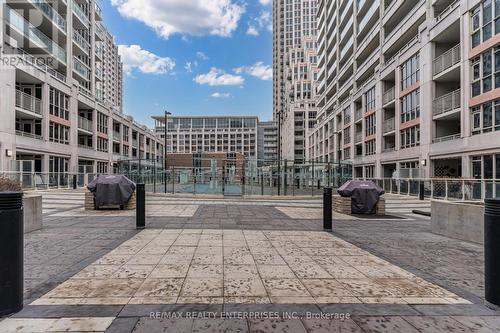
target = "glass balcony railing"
x: 51, y: 13
x: 81, y: 41
x: 80, y: 14
x: 81, y: 68
x: 34, y: 35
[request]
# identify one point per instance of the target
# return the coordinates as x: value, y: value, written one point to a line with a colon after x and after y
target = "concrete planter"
x: 460, y: 220
x: 32, y: 213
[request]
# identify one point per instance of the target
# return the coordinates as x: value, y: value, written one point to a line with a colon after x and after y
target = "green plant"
x: 9, y: 185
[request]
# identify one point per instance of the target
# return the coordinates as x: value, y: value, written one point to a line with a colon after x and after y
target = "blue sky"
x: 222, y: 51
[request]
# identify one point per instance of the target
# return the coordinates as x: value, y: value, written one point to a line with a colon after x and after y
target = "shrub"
x: 8, y: 185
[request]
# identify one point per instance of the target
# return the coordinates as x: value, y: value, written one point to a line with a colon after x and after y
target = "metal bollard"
x: 319, y: 184
x: 492, y: 251
x: 421, y: 191
x: 75, y: 184
x: 261, y: 184
x: 327, y: 208
x: 140, y: 214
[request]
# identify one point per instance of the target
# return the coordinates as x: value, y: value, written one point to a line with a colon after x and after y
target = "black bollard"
x: 75, y: 184
x: 11, y: 257
x: 298, y: 183
x: 319, y: 184
x: 261, y: 184
x: 492, y: 251
x: 140, y: 214
x: 422, y: 191
x: 327, y: 208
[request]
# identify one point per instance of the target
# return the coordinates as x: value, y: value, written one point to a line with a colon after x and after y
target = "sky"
x: 194, y: 57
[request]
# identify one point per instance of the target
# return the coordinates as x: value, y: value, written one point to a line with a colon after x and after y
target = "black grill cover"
x: 364, y: 195
x: 111, y: 190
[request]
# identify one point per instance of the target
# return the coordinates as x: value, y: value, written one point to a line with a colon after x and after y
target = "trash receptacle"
x: 492, y: 251
x: 11, y: 252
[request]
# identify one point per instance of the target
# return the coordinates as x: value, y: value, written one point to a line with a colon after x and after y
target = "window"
x: 370, y: 147
x: 370, y: 171
x: 58, y: 133
x: 485, y: 22
x: 370, y: 125
x: 410, y: 72
x: 485, y: 118
x: 485, y: 72
x: 370, y: 99
x: 58, y: 164
x: 410, y: 137
x: 102, y: 145
x: 58, y: 104
x: 102, y: 123
x: 347, y: 136
x: 410, y: 106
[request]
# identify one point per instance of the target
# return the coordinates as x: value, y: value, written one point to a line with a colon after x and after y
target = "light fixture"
x: 8, y: 153
x: 424, y: 162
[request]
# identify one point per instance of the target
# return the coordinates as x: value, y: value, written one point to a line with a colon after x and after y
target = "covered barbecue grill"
x: 111, y: 190
x: 364, y: 195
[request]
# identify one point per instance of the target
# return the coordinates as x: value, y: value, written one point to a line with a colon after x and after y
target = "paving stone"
x: 385, y: 324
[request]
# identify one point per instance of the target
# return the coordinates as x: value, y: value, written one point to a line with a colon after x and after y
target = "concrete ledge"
x: 459, y: 220
x: 343, y: 205
x: 32, y: 213
x: 89, y: 202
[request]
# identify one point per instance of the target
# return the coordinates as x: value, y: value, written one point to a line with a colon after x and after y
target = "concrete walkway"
x: 245, y: 266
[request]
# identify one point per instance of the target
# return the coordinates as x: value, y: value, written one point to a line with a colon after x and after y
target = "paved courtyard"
x: 246, y: 265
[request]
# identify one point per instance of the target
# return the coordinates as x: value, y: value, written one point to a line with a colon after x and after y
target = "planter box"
x: 89, y: 202
x: 343, y: 205
x: 460, y: 220
x: 32, y: 213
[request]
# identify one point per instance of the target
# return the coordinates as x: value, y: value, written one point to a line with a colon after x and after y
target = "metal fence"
x: 443, y: 188
x: 208, y: 176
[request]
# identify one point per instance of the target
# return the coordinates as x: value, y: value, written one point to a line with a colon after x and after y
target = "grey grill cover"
x: 364, y: 195
x: 111, y: 190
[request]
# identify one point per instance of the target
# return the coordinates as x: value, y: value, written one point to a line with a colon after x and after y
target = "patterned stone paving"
x: 234, y: 266
x: 244, y: 256
x: 304, y: 213
x: 164, y: 210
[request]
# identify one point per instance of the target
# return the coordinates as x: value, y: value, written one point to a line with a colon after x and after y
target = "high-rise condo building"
x: 409, y: 88
x: 61, y: 83
x: 267, y: 143
x: 193, y: 135
x: 294, y: 64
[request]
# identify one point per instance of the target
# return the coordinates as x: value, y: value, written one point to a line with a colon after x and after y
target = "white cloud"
x: 217, y: 77
x: 192, y: 17
x: 259, y: 70
x: 252, y: 31
x: 220, y: 95
x: 202, y: 55
x: 263, y: 21
x: 135, y: 58
x: 190, y: 66
x: 265, y: 2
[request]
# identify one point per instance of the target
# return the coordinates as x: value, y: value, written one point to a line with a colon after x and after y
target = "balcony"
x: 28, y: 103
x: 99, y: 32
x: 389, y: 125
x: 446, y: 60
x: 85, y: 124
x: 78, y: 11
x: 447, y: 138
x: 446, y: 103
x: 358, y: 115
x: 388, y: 96
x: 81, y: 42
x: 358, y: 137
x: 117, y: 136
x: 52, y: 14
x: 81, y: 68
x: 29, y: 135
x: 28, y: 30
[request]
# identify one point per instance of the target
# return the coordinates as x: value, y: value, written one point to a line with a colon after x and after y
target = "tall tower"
x: 294, y: 42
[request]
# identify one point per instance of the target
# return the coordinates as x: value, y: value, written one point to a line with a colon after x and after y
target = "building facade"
x: 267, y: 143
x: 409, y: 88
x: 61, y: 82
x: 209, y: 134
x: 294, y: 65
